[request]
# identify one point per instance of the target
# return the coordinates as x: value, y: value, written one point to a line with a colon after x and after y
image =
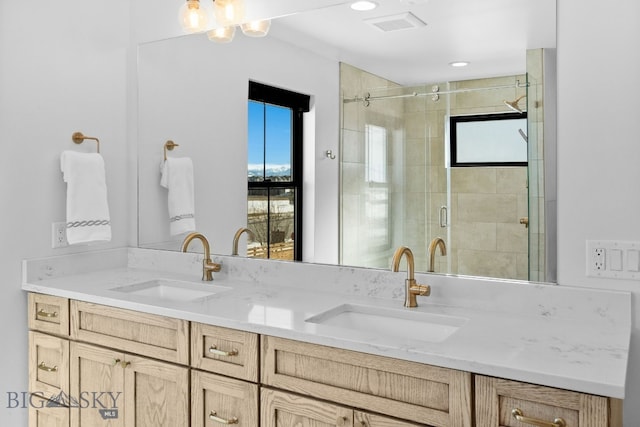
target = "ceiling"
x: 492, y: 35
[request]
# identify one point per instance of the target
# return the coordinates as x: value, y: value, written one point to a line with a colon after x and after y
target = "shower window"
x: 489, y: 140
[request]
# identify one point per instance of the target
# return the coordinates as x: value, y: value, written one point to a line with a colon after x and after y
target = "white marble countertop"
x: 563, y: 337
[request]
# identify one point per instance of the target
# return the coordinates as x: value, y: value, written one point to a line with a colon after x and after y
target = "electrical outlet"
x: 59, y: 235
x: 613, y: 259
x: 599, y: 258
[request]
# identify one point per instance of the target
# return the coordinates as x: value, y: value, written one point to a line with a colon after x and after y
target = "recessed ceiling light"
x: 364, y: 5
x: 459, y: 63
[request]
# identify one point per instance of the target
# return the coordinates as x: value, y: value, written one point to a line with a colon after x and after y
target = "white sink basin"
x: 171, y: 290
x: 400, y: 323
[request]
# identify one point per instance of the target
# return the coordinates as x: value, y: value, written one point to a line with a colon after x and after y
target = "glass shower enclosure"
x: 399, y: 188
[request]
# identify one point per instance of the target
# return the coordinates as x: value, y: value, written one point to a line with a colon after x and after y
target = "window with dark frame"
x: 497, y: 139
x: 275, y: 144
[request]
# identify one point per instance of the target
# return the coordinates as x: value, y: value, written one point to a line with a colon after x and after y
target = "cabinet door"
x: 97, y: 386
x: 42, y: 415
x: 280, y: 409
x: 156, y: 394
x: 497, y: 399
x: 48, y: 365
x: 217, y: 400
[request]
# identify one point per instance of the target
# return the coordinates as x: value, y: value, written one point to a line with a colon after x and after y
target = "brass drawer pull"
x: 47, y: 368
x: 42, y: 313
x: 121, y: 362
x: 213, y: 416
x: 214, y: 350
x: 519, y: 415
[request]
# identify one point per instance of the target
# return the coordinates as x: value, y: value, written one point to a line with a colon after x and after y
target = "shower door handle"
x: 443, y: 216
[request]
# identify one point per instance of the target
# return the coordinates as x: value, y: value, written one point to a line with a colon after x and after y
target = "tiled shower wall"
x: 487, y: 203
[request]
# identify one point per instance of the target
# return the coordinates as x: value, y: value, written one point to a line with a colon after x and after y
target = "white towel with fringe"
x: 177, y: 178
x: 87, y: 208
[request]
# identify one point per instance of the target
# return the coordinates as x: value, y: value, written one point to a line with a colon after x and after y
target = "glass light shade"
x: 256, y: 28
x: 192, y: 17
x: 229, y: 12
x: 222, y: 34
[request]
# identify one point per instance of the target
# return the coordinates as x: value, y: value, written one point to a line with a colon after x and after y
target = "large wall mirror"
x: 381, y: 102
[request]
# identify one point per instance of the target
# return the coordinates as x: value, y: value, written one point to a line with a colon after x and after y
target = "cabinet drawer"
x: 225, y: 351
x: 408, y: 390
x: 48, y: 365
x: 219, y: 400
x: 42, y: 415
x: 49, y: 314
x: 150, y: 335
x: 497, y: 398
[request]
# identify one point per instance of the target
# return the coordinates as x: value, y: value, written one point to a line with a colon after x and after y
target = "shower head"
x: 514, y: 104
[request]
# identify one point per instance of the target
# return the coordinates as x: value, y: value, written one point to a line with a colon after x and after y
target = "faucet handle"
x: 423, y: 290
x: 417, y: 289
x: 412, y: 290
x: 212, y: 266
x: 208, y: 267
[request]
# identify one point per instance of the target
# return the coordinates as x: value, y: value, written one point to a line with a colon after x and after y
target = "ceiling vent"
x: 402, y: 21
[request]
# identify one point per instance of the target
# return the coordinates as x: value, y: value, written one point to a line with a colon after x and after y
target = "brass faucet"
x: 432, y: 251
x: 207, y: 266
x: 236, y: 238
x: 411, y: 289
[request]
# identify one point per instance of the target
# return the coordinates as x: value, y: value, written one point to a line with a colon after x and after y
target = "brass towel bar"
x: 169, y: 145
x: 79, y: 138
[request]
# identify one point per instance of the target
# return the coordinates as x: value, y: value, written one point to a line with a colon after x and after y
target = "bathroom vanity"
x: 129, y: 344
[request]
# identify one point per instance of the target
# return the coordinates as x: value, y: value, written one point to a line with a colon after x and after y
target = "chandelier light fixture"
x: 228, y: 14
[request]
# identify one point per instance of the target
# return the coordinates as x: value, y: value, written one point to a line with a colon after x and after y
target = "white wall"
x: 63, y: 68
x: 67, y: 71
x: 599, y: 146
x: 194, y: 92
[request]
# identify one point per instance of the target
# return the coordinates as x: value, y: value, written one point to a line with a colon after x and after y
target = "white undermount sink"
x: 171, y: 290
x: 400, y: 323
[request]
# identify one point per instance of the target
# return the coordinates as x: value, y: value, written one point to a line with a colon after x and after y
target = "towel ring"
x: 79, y: 138
x: 169, y: 145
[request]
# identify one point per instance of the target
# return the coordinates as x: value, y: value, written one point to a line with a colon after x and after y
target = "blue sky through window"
x: 272, y: 140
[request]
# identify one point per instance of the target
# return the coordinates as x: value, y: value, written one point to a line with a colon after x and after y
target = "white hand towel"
x: 87, y: 208
x: 177, y: 177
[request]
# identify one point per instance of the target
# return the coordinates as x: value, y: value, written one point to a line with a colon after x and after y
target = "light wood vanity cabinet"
x: 496, y: 399
x: 114, y: 386
x: 159, y: 371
